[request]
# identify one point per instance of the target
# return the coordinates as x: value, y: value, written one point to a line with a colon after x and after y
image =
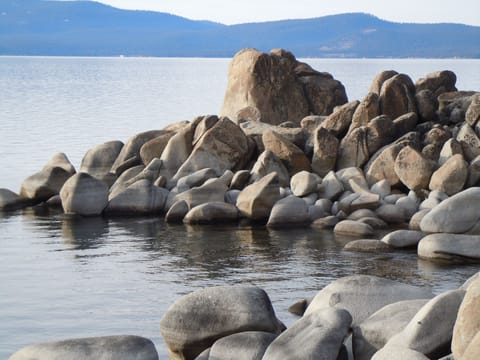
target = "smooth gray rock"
x: 374, y: 332
x: 353, y: 228
x: 304, y: 183
x: 255, y: 129
x: 177, y: 212
x: 177, y: 151
x: 374, y: 222
x: 331, y: 187
x: 83, y: 194
x: 99, y: 160
x: 142, y: 197
x: 44, y: 184
x: 247, y: 345
x: 381, y: 188
x: 457, y: 214
x: 450, y: 247
x: 403, y: 238
x: 267, y: 162
x: 319, y: 335
x: 291, y: 210
x: 409, y: 204
x: 60, y: 160
x: 361, y: 213
x: 212, y: 212
x: 126, y: 179
x: 430, y: 330
x: 362, y: 295
x: 10, y: 201
x: 122, y: 347
x: 392, y: 214
x: 195, y: 321
x: 231, y: 196
x: 256, y: 200
x: 325, y: 222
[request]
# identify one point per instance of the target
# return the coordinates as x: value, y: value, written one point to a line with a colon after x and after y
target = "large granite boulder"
x: 413, y: 169
x: 256, y: 200
x: 99, y: 160
x: 267, y: 162
x: 353, y: 150
x: 325, y: 151
x: 379, y: 79
x: 393, y: 352
x: 83, y: 194
x: 274, y: 85
x: 437, y: 82
x: 222, y: 147
x: 368, y: 109
x: 122, y: 347
x: 291, y: 155
x: 430, y: 330
x: 142, y: 197
x: 60, y: 160
x: 469, y: 141
x: 372, y: 334
x: 195, y: 321
x: 255, y: 129
x: 467, y: 325
x: 427, y: 105
x: 247, y: 345
x: 362, y: 295
x: 289, y: 211
x: 457, y: 214
x: 44, y: 184
x: 196, y: 178
x: 319, y: 335
x: 130, y: 153
x: 397, y: 96
x: 450, y: 178
x: 450, y: 247
x: 472, y: 116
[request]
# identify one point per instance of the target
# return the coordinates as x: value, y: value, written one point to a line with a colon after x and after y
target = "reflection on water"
x: 63, y: 276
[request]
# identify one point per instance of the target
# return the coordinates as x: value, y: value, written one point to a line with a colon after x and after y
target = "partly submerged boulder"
x: 84, y: 194
x: 195, y: 321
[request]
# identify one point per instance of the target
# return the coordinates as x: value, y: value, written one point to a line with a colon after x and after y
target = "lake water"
x: 64, y: 277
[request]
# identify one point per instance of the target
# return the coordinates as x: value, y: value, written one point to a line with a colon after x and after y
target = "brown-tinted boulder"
x: 380, y: 132
x: 452, y: 106
x: 280, y: 87
x: 405, y: 123
x: 397, y: 96
x: 267, y: 163
x: 311, y: 122
x: 296, y: 135
x: 368, y: 109
x: 341, y: 118
x: 353, y: 150
x: 44, y: 184
x: 450, y: 148
x: 413, y: 169
x: 469, y: 141
x: 177, y: 151
x: 473, y: 112
x: 222, y: 147
x: 154, y: 148
x: 467, y: 326
x: 380, y: 79
x: 325, y: 151
x: 450, y: 178
x: 427, y: 105
x: 293, y: 158
x: 256, y: 200
x: 437, y: 82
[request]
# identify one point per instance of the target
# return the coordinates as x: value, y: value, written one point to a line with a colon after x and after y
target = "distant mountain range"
x: 38, y: 27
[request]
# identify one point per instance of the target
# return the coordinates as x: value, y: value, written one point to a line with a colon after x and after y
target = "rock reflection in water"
x: 84, y: 232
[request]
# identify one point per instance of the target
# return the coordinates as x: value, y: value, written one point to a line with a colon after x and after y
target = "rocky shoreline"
x: 289, y: 149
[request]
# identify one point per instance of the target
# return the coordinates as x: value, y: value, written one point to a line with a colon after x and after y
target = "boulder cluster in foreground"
x: 357, y: 317
x: 289, y: 149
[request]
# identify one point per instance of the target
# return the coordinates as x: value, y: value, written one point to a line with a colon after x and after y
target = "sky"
x: 241, y: 11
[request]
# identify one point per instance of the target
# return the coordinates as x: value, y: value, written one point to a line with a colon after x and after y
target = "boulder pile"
x: 289, y: 149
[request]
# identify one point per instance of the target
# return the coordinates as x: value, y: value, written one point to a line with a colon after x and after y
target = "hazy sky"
x: 239, y: 11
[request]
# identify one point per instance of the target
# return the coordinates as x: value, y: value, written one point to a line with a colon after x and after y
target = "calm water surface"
x: 63, y: 277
